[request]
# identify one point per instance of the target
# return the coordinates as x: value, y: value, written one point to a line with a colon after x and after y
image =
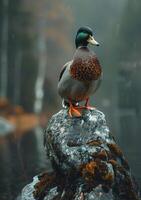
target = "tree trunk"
x: 4, y: 47
x: 17, y: 79
x: 39, y: 93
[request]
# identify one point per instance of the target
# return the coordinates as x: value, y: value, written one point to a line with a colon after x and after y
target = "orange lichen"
x: 110, y: 155
x: 102, y: 155
x: 109, y: 177
x: 90, y: 167
x: 117, y: 166
x: 87, y: 171
x: 97, y: 170
x: 44, y: 181
x: 113, y: 162
x: 94, y: 143
x: 115, y: 149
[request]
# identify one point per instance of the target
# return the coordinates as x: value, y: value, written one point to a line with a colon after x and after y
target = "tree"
x: 4, y: 51
x: 129, y: 43
x: 49, y: 24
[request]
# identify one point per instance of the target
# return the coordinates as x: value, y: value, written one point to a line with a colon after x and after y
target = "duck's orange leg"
x: 87, y: 105
x: 73, y: 110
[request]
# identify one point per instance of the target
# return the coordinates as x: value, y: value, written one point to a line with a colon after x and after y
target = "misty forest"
x: 36, y: 39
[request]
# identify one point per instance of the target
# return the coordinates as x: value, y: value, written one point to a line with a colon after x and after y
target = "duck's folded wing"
x: 63, y: 69
x: 99, y: 82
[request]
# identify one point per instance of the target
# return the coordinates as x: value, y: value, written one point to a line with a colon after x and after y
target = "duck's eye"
x: 82, y: 36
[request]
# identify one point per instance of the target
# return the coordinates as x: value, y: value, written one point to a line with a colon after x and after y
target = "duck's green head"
x: 84, y: 37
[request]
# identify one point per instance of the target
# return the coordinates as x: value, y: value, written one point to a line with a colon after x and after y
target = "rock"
x: 27, y: 192
x: 87, y: 163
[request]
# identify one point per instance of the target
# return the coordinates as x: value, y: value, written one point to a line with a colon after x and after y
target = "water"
x: 23, y: 157
x: 20, y: 160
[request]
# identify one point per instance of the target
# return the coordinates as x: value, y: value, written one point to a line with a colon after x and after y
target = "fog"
x: 37, y: 39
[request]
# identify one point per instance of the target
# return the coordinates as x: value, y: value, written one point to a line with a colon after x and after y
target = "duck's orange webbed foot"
x: 87, y: 105
x: 74, y: 111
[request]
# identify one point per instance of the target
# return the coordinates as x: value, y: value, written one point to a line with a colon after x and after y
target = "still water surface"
x: 23, y: 157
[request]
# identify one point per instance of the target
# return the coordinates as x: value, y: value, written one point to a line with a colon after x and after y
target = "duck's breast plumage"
x: 85, y: 66
x: 80, y: 77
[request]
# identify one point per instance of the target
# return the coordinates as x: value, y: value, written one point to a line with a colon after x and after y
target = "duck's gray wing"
x: 63, y: 70
x: 99, y: 82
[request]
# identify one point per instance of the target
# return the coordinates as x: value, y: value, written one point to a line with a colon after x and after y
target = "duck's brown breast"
x: 85, y: 66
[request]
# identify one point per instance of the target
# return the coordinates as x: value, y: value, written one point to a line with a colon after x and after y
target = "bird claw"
x: 74, y: 111
x: 89, y: 108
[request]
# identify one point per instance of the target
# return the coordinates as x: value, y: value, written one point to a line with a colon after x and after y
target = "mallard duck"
x: 80, y: 77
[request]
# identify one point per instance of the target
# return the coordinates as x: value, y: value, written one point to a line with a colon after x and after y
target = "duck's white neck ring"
x: 82, y: 47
